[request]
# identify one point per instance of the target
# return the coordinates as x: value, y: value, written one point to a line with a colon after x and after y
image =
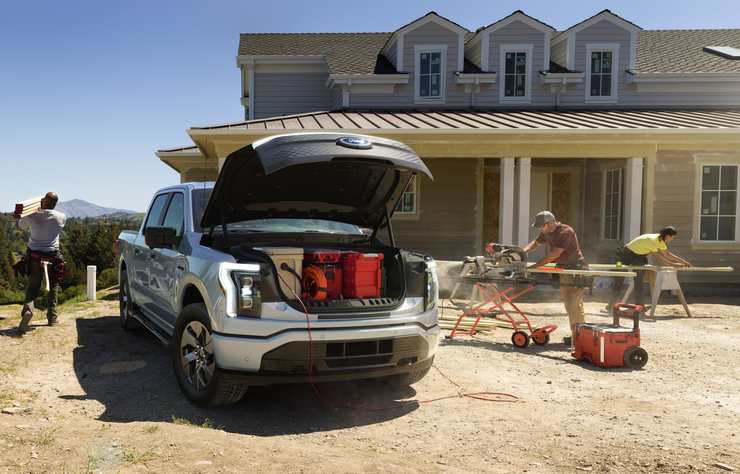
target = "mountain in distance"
x: 80, y: 209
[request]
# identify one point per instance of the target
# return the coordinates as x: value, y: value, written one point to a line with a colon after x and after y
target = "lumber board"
x: 593, y: 273
x: 654, y: 268
x: 27, y: 207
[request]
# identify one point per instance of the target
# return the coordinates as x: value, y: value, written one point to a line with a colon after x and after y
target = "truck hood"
x: 355, y: 179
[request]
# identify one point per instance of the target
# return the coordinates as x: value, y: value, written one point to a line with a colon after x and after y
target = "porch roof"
x: 503, y: 120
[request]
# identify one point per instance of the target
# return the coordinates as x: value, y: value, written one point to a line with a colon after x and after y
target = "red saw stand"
x: 492, y: 307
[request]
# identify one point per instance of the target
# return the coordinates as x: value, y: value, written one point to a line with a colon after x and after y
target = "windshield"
x: 200, y: 200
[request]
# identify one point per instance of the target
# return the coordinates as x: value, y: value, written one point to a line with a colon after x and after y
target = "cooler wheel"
x: 520, y: 339
x: 635, y: 357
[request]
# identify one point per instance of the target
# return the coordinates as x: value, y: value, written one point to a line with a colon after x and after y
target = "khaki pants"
x: 573, y: 300
x: 35, y: 281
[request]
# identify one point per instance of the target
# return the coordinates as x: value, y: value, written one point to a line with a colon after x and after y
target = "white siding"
x: 518, y: 32
x: 283, y: 94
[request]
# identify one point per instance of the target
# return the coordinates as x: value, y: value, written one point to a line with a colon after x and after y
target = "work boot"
x: 26, y: 317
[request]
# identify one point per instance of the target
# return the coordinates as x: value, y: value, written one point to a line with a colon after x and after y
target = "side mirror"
x: 160, y: 237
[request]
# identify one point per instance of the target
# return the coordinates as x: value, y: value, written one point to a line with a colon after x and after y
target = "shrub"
x: 107, y: 278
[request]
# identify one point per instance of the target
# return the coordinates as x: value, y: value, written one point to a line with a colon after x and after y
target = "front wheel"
x: 195, y: 363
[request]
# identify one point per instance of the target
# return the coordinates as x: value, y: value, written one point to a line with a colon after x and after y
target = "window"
x: 407, y: 203
x: 515, y: 74
x: 516, y: 65
x: 155, y: 211
x: 175, y: 214
x: 602, y: 65
x: 719, y: 194
x: 430, y: 73
x: 612, y: 204
x: 601, y: 73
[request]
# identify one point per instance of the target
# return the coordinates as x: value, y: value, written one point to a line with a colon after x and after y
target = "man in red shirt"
x: 565, y: 252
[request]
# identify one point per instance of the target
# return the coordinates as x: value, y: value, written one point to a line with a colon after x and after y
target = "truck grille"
x: 329, y: 356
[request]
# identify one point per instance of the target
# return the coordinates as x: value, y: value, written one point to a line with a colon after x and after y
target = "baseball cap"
x: 543, y: 218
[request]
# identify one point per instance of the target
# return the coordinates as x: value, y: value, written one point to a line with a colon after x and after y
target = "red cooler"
x: 362, y: 274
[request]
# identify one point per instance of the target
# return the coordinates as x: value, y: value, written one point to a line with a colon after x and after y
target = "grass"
x: 47, y: 438
x: 132, y: 456
x: 151, y: 429
x: 92, y: 463
x: 207, y: 423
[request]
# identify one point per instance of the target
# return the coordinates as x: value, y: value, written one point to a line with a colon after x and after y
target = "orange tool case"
x: 611, y: 345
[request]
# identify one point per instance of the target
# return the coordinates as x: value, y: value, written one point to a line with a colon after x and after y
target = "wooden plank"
x: 653, y: 268
x: 27, y: 207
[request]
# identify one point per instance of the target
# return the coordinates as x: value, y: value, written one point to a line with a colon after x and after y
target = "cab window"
x: 155, y: 211
x: 175, y: 216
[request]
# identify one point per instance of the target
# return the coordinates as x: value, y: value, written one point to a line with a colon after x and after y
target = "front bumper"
x: 364, y: 347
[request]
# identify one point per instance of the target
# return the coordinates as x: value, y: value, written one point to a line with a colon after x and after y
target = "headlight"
x: 248, y: 295
x: 241, y: 285
x: 431, y: 287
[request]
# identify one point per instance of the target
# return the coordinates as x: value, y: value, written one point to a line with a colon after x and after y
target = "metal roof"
x: 510, y: 120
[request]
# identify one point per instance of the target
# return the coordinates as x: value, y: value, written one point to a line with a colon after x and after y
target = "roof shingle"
x: 683, y: 51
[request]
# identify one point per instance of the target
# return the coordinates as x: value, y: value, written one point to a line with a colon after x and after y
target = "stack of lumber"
x: 27, y: 207
x: 448, y: 318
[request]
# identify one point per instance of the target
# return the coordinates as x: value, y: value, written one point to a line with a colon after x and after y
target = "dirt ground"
x: 86, y: 397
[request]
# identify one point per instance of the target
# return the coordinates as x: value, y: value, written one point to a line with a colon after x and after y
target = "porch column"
x: 524, y: 167
x: 632, y: 198
x: 506, y: 211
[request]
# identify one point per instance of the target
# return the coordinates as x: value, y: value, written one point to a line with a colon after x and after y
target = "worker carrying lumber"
x: 565, y: 252
x: 636, y: 253
x: 43, y: 259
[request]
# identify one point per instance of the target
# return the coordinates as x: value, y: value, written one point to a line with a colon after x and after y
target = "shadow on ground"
x: 131, y: 375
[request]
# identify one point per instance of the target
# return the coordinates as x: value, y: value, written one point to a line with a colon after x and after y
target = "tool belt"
x: 577, y: 281
x: 56, y: 260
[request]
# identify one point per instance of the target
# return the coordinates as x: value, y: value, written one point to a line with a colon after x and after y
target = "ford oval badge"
x: 358, y: 143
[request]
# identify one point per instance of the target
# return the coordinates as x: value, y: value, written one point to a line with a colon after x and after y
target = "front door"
x: 492, y: 200
x: 167, y: 266
x: 557, y: 190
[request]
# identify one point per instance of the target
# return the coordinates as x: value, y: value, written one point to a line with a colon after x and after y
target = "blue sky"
x: 89, y: 89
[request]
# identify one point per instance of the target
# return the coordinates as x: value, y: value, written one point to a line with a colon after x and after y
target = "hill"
x: 78, y: 208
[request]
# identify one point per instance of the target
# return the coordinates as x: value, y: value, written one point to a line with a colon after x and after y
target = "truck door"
x: 140, y: 262
x: 167, y: 265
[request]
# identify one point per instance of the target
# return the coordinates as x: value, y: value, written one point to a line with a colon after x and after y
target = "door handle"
x: 137, y: 252
x: 181, y: 268
x: 153, y: 256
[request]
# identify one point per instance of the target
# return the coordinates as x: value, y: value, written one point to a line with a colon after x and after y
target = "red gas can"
x: 329, y: 263
x: 611, y: 345
x: 361, y: 275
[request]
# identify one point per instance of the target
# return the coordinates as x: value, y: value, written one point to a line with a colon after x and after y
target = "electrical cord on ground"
x: 500, y: 397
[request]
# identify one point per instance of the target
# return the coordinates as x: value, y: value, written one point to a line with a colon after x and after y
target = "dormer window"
x: 602, y: 65
x: 430, y: 73
x: 516, y: 66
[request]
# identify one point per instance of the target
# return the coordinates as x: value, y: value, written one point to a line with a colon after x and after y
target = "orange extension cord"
x: 461, y: 393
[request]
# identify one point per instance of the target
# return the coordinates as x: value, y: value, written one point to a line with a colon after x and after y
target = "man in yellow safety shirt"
x: 636, y: 253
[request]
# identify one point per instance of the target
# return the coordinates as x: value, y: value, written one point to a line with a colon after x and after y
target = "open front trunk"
x: 334, y: 279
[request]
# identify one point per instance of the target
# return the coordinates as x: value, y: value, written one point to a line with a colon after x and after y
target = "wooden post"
x: 506, y: 211
x: 524, y: 167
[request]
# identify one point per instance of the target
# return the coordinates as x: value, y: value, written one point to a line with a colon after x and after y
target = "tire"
x: 540, y: 338
x: 635, y: 357
x: 194, y: 362
x: 126, y: 305
x: 520, y: 339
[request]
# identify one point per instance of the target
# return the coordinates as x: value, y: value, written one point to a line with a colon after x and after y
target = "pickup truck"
x: 207, y: 272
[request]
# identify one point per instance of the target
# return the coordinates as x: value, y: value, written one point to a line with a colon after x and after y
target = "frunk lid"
x: 355, y: 179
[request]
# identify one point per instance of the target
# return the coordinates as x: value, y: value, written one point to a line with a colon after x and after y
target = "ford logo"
x: 357, y: 143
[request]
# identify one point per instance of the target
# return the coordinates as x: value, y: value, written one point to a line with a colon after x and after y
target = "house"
x: 616, y: 129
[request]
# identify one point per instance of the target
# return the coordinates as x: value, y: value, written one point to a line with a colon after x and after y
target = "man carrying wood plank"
x: 43, y: 258
x: 565, y: 252
x: 636, y: 253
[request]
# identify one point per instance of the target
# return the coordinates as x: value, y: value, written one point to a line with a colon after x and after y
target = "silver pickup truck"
x: 284, y: 270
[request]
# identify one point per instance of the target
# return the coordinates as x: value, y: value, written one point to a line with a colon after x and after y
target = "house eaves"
x: 518, y: 15
x: 350, y: 79
x: 607, y: 15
